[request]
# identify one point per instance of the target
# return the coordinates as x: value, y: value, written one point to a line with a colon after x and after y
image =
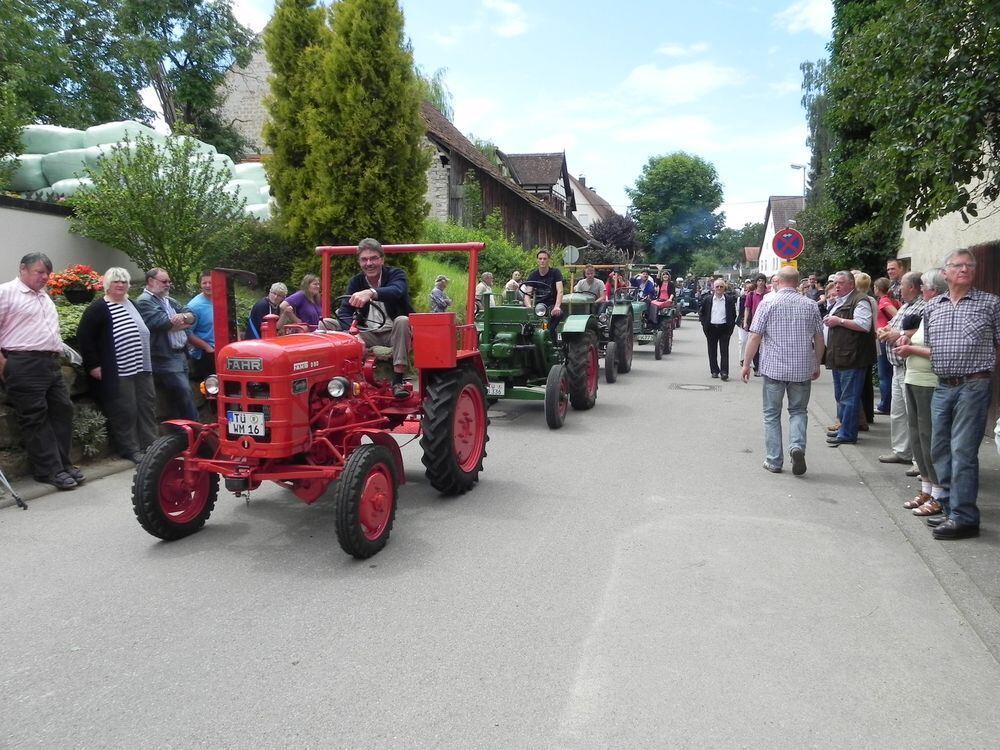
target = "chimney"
x: 583, y: 180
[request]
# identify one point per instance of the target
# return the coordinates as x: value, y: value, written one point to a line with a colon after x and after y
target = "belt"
x: 22, y: 353
x: 183, y: 348
x: 984, y: 375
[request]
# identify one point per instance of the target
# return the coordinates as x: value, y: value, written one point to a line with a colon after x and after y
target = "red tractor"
x: 312, y: 408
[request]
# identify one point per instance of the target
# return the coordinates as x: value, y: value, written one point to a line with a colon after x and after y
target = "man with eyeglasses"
x: 962, y: 329
x: 168, y: 322
x: 270, y: 304
x: 717, y: 313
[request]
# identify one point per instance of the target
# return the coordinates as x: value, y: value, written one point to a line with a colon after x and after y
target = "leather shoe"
x: 935, y: 521
x: 913, y: 471
x: 892, y: 458
x: 715, y: 374
x: 834, y: 442
x: 832, y: 433
x: 951, y: 530
x: 724, y: 376
x: 61, y: 480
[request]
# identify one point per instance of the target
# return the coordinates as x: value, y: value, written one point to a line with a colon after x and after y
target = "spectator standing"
x: 850, y: 350
x: 114, y: 343
x: 894, y: 270
x: 717, y: 313
x: 887, y: 307
x: 790, y: 326
x: 754, y: 298
x: 30, y: 352
x: 962, y: 329
x: 440, y: 301
x: 304, y: 306
x: 201, y: 336
x: 484, y: 289
x: 269, y: 304
x: 741, y: 317
x: 813, y: 290
x: 168, y: 322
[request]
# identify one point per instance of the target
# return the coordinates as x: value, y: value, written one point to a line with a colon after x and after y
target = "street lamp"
x: 803, y: 168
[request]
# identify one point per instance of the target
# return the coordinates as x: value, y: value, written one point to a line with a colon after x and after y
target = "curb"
x: 30, y: 490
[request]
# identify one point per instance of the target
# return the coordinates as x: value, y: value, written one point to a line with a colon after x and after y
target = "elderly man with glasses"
x: 168, y: 322
x: 717, y: 314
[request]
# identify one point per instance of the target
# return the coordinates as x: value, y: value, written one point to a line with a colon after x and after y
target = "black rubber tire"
x: 556, y: 396
x: 668, y: 333
x: 583, y: 367
x: 161, y: 458
x: 621, y: 332
x: 611, y: 362
x: 454, y: 417
x: 369, y: 468
x: 658, y: 338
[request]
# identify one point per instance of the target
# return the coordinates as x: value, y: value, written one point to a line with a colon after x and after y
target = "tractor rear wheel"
x: 611, y: 362
x: 454, y: 430
x: 658, y: 340
x: 556, y: 396
x: 365, y: 501
x: 583, y: 366
x: 668, y: 337
x: 621, y: 332
x: 164, y: 504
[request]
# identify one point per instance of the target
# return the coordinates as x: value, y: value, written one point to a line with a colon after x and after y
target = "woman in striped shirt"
x: 114, y: 343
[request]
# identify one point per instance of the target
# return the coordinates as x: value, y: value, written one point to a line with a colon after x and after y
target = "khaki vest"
x: 847, y: 349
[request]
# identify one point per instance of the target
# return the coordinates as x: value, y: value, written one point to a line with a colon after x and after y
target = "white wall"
x: 927, y: 248
x: 23, y: 232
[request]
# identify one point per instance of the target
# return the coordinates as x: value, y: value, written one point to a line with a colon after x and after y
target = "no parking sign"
x: 788, y: 243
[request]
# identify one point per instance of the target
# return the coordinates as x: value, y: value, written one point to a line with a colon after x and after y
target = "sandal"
x: 931, y: 508
x: 916, y: 502
x: 833, y: 427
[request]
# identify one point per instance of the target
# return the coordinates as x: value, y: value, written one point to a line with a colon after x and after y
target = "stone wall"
x: 245, y: 90
x: 437, y: 185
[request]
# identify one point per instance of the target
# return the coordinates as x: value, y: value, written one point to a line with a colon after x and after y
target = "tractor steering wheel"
x: 547, y: 288
x: 338, y: 301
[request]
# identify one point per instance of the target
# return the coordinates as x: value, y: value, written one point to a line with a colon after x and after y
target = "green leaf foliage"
x: 674, y: 202
x: 502, y: 255
x: 162, y: 207
x: 12, y: 119
x: 266, y: 252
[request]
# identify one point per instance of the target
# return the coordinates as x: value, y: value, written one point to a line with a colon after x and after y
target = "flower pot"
x: 78, y: 295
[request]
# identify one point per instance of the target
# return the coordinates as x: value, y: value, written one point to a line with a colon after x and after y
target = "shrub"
x: 502, y: 255
x: 90, y: 430
x: 266, y: 253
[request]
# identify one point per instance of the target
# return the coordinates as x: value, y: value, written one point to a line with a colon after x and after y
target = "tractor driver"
x: 550, y: 294
x: 384, y: 288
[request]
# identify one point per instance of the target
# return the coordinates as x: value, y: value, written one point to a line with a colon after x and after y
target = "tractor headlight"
x: 541, y: 310
x: 603, y: 318
x: 210, y: 386
x: 338, y: 387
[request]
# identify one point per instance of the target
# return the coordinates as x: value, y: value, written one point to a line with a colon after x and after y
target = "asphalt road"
x: 634, y: 580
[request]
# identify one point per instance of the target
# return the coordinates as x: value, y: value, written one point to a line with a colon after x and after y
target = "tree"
x: 434, y: 89
x: 365, y: 162
x: 12, y: 119
x: 618, y: 232
x: 726, y: 248
x: 673, y: 202
x: 162, y: 206
x: 186, y: 47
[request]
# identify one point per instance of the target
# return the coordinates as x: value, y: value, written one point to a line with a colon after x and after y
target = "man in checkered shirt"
x: 962, y: 329
x: 789, y: 326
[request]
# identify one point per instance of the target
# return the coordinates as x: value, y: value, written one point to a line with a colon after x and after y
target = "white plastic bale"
x: 114, y: 132
x: 44, y: 139
x: 62, y: 165
x: 71, y: 186
x: 200, y: 147
x: 246, y: 189
x: 260, y: 211
x: 250, y: 170
x: 28, y: 174
x: 265, y: 192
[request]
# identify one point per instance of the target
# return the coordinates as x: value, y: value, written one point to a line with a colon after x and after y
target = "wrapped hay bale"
x: 113, y: 132
x: 260, y: 211
x: 250, y: 170
x: 71, y: 186
x: 200, y: 147
x: 246, y: 189
x: 62, y: 165
x: 265, y: 192
x: 44, y: 139
x: 221, y: 162
x: 28, y: 174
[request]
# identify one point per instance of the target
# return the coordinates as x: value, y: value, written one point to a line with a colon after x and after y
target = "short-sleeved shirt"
x: 594, y: 286
x: 883, y: 317
x: 307, y: 311
x: 203, y: 327
x: 546, y: 294
x: 787, y: 323
x: 963, y: 337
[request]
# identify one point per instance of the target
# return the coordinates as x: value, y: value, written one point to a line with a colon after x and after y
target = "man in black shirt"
x: 551, y: 293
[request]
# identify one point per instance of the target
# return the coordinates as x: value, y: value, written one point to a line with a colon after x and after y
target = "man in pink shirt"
x: 30, y: 353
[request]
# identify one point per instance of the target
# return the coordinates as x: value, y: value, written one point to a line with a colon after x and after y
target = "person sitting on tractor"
x: 514, y: 285
x: 545, y: 284
x: 484, y: 289
x: 590, y: 283
x: 664, y: 299
x: 384, y: 289
x: 647, y: 290
x: 616, y: 281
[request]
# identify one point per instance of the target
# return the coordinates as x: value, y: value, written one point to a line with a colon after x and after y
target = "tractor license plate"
x: 644, y: 337
x: 496, y: 389
x: 245, y: 423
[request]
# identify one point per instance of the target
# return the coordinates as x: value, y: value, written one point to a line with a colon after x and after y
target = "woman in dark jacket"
x: 114, y: 343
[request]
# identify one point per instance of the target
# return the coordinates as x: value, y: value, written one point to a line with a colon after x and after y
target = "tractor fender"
x: 386, y: 440
x: 196, y: 432
x: 577, y: 324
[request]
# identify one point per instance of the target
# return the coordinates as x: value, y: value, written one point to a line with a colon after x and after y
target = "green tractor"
x: 523, y: 362
x: 659, y: 333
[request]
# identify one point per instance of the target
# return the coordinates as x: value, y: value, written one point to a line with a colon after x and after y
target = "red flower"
x: 79, y: 276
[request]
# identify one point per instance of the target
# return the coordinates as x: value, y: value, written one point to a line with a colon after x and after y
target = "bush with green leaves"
x: 267, y: 253
x: 161, y: 206
x: 501, y: 256
x: 90, y: 430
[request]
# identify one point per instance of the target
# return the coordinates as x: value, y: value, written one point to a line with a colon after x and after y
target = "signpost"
x: 788, y: 243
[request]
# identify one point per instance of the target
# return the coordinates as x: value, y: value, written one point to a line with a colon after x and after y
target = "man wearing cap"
x: 30, y: 351
x: 440, y: 302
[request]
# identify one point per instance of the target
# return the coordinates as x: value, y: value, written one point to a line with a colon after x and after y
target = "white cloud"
x: 511, y: 19
x: 253, y: 14
x: 739, y: 213
x: 789, y: 86
x: 807, y: 15
x: 680, y: 84
x: 680, y: 50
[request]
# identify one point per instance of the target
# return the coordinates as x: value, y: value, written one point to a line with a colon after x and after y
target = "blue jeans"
x: 958, y: 423
x: 884, y: 380
x: 847, y: 385
x: 798, y: 418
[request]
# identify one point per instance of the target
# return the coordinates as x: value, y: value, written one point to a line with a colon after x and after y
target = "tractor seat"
x: 382, y: 353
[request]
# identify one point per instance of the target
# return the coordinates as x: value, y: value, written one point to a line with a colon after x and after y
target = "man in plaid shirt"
x: 789, y: 326
x: 962, y: 329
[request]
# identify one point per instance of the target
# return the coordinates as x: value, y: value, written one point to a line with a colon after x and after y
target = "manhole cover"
x: 693, y: 387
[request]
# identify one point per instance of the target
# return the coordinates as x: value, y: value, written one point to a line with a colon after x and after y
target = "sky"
x: 613, y: 85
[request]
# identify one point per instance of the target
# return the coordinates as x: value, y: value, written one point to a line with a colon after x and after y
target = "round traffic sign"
x: 788, y: 243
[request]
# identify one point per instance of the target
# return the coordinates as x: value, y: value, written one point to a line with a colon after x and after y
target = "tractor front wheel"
x: 583, y: 366
x: 668, y: 337
x: 610, y: 362
x: 621, y: 332
x: 454, y: 431
x: 166, y: 504
x: 658, y: 340
x: 556, y: 396
x: 365, y: 498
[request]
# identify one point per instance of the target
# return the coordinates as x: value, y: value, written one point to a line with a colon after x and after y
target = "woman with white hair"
x: 114, y: 343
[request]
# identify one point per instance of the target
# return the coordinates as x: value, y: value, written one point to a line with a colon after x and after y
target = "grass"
x: 458, y: 285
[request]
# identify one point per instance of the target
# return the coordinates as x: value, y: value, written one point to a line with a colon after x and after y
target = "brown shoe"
x: 863, y: 427
x: 916, y: 502
x: 893, y: 458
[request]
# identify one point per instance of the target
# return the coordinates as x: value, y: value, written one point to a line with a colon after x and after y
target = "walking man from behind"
x: 962, y: 329
x: 30, y: 350
x: 791, y: 330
